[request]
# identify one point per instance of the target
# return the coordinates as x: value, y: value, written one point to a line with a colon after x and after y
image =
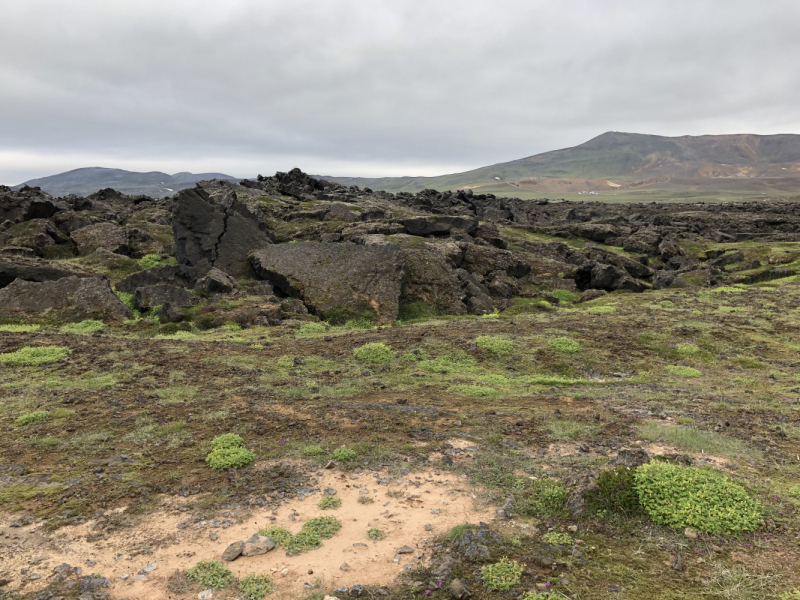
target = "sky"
x: 378, y: 88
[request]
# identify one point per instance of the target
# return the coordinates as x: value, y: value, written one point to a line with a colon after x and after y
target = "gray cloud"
x: 395, y: 87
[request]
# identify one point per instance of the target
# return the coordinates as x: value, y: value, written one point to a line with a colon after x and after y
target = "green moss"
x: 313, y: 450
x: 19, y: 328
x: 555, y: 538
x: 229, y: 458
x: 17, y: 494
x: 226, y: 441
x: 34, y: 417
x: 311, y: 329
x: 601, y: 310
x: 502, y: 576
x: 682, y: 371
x: 34, y: 356
x: 457, y: 362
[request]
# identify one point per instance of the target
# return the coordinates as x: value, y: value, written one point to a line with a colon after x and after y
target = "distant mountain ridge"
x: 156, y: 184
x: 629, y: 159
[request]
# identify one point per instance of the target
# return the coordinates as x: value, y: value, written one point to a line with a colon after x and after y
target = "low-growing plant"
x: 149, y: 261
x: 227, y: 440
x: 360, y: 323
x: 211, y: 574
x: 375, y: 534
x: 229, y: 458
x: 565, y: 295
x: 615, y: 493
x: 459, y: 362
x: 667, y: 304
x: 279, y: 535
x: 311, y: 535
x: 565, y: 345
x: 687, y: 348
x: 311, y: 329
x: 682, y: 371
x: 19, y: 328
x: 601, y: 310
x: 313, y: 450
x: 256, y: 586
x: 702, y: 499
x: 34, y: 356
x: 499, y: 346
x: 475, y: 391
x: 556, y: 538
x: 33, y: 417
x: 329, y: 502
x: 501, y: 576
x: 540, y: 498
x: 375, y: 353
x: 87, y: 327
x: 344, y: 454
x: 365, y: 499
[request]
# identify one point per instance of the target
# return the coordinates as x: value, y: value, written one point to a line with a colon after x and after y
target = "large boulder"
x: 37, y: 234
x: 486, y: 259
x: 36, y: 269
x: 432, y: 279
x: 634, y: 268
x: 439, y: 225
x: 109, y: 236
x: 88, y: 297
x: 644, y: 241
x: 597, y: 232
x: 594, y: 275
x: 159, y: 295
x: 666, y: 279
x: 216, y: 233
x: 330, y: 276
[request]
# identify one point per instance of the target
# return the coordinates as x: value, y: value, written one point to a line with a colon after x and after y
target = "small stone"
x: 233, y: 551
x: 284, y: 571
x: 677, y: 564
x: 91, y: 563
x: 35, y: 576
x: 690, y: 533
x: 345, y: 567
x: 428, y: 527
x: 572, y: 529
x: 330, y: 464
x: 357, y: 591
x: 405, y: 550
x: 330, y: 598
x: 205, y: 595
x: 311, y: 571
x: 138, y: 578
x: 148, y: 568
x: 459, y: 590
x: 258, y: 544
x: 213, y: 536
x: 436, y: 511
x: 397, y: 558
x: 124, y: 576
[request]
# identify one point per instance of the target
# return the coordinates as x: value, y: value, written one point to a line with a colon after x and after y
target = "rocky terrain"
x: 493, y: 370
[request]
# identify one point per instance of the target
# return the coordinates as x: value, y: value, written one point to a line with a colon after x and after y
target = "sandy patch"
x: 441, y: 501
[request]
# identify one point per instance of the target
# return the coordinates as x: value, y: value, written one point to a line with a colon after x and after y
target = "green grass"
x: 87, y: 327
x: 474, y: 391
x: 311, y: 329
x: 177, y: 394
x: 457, y: 362
x: 565, y: 429
x: 19, y: 328
x: 691, y: 439
x: 34, y: 356
x: 601, y: 310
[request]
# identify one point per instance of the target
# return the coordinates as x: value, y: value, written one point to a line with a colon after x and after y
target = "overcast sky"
x: 373, y: 87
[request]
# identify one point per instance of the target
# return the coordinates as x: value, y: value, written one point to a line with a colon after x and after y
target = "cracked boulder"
x: 594, y: 275
x: 216, y: 233
x: 182, y: 276
x: 336, y: 277
x: 36, y: 269
x: 109, y: 236
x: 88, y: 297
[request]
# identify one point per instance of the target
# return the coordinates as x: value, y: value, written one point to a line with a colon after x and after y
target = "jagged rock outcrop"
x: 108, y: 236
x: 331, y: 277
x: 214, y: 233
x: 35, y: 269
x: 178, y: 275
x: 88, y: 297
x: 594, y: 275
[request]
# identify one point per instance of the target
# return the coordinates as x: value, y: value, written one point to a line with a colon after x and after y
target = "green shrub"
x: 360, y: 323
x: 554, y: 538
x: 312, y: 533
x: 19, y: 328
x: 497, y: 345
x: 375, y: 534
x: 375, y: 353
x: 416, y: 311
x: 681, y: 371
x: 615, y: 493
x: 310, y: 329
x: 256, y: 586
x: 225, y: 441
x: 344, y: 454
x: 279, y: 535
x: 87, y: 327
x: 229, y: 458
x: 540, y: 498
x: 501, y: 576
x: 34, y: 417
x: 34, y: 356
x: 565, y: 345
x: 149, y: 261
x: 313, y: 451
x: 328, y: 502
x: 211, y: 574
x: 702, y: 499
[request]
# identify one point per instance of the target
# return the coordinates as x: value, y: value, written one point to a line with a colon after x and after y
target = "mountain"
x: 620, y: 162
x: 83, y: 182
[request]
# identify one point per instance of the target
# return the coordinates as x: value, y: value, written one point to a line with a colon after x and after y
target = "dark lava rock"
x: 36, y: 269
x: 233, y: 551
x: 631, y: 457
x: 439, y: 225
x: 185, y: 277
x: 110, y: 236
x: 665, y: 279
x: 89, y: 297
x: 158, y: 295
x: 336, y: 276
